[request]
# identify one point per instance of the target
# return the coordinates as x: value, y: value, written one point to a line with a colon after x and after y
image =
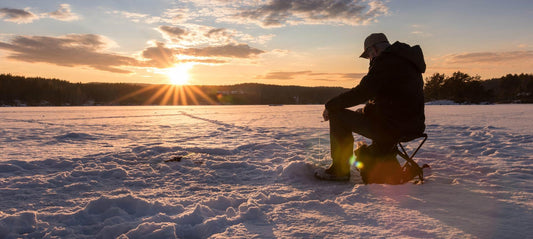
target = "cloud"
x: 421, y: 33
x: 159, y: 56
x: 217, y: 32
x: 277, y: 13
x: 162, y: 56
x: 195, y: 35
x: 279, y: 52
x: 352, y: 76
x: 230, y: 50
x: 176, y: 15
x: 63, y: 14
x: 283, y: 75
x: 270, y: 13
x: 69, y: 50
x: 138, y: 17
x: 490, y: 57
x: 90, y: 50
x: 172, y: 33
x: 191, y: 35
x: 310, y: 75
x: 420, y: 30
x: 171, y: 16
x: 17, y: 15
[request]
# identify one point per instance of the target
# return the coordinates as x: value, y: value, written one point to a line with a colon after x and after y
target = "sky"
x: 282, y: 42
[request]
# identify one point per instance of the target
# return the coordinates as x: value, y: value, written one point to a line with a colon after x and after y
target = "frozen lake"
x: 36, y: 133
x: 246, y: 171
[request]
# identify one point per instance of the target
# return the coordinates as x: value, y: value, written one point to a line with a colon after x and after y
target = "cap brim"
x: 364, y: 55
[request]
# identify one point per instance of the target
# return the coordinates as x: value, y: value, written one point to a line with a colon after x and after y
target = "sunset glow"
x: 179, y: 74
x: 306, y: 43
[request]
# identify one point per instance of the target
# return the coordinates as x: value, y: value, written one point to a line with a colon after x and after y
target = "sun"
x: 179, y: 74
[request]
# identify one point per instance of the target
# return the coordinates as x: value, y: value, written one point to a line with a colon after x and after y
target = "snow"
x: 247, y: 171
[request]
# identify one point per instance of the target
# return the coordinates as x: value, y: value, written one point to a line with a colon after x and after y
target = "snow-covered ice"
x: 247, y: 171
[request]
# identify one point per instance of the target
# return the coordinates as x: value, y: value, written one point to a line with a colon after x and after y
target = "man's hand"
x: 325, y: 115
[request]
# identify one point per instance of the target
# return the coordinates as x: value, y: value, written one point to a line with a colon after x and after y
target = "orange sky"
x: 290, y: 42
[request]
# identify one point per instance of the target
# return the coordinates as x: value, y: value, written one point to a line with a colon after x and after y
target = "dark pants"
x: 341, y: 125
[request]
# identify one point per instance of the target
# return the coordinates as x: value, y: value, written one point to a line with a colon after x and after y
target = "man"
x: 393, y: 90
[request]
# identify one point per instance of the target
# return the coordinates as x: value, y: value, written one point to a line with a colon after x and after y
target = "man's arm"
x: 353, y: 97
x: 367, y: 88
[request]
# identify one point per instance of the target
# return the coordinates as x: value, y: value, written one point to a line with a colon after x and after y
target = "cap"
x: 371, y: 40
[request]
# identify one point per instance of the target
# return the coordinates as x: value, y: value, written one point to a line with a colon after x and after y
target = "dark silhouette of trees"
x: 18, y: 90
x: 37, y: 91
x: 459, y: 87
x: 512, y: 88
x: 463, y: 88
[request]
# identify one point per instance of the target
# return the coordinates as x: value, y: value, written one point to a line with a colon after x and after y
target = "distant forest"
x: 36, y: 91
x: 463, y: 88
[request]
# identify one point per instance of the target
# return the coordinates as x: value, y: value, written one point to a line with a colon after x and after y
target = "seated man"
x: 393, y: 92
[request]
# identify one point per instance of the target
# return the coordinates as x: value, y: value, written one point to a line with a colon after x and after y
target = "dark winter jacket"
x: 393, y: 90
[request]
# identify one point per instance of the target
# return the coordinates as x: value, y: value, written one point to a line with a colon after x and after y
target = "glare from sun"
x: 179, y: 74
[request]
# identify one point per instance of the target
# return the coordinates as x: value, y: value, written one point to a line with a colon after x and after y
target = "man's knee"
x: 339, y: 120
x: 345, y: 115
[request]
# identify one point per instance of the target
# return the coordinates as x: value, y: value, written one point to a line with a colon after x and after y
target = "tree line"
x: 463, y: 88
x: 36, y: 91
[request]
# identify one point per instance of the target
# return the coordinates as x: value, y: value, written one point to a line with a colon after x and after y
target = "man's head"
x: 375, y: 43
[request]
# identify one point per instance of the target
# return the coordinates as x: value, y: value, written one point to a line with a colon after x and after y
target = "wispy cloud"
x: 421, y: 33
x: 176, y: 15
x: 230, y: 50
x: 173, y: 33
x: 17, y: 15
x: 283, y: 75
x: 310, y: 75
x: 487, y: 64
x: 490, y: 57
x: 197, y: 35
x: 138, y: 17
x: 63, y: 13
x: 420, y: 30
x: 69, y: 50
x: 170, y: 16
x: 162, y: 56
x: 277, y: 13
x: 352, y: 76
x: 159, y: 56
x: 91, y: 50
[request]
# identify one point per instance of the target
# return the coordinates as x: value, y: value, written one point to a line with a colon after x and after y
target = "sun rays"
x: 177, y: 92
x: 170, y: 95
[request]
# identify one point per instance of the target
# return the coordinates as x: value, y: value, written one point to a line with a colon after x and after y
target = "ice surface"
x: 247, y: 171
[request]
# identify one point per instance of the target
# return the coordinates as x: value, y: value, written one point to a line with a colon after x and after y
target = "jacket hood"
x: 411, y: 53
